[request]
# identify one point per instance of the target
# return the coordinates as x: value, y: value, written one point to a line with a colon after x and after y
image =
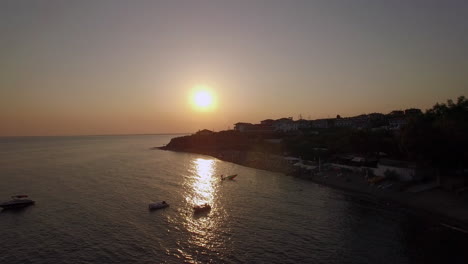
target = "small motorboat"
x: 158, y: 205
x: 230, y: 177
x: 18, y: 201
x: 202, y: 208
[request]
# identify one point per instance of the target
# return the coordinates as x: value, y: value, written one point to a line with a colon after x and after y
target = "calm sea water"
x: 92, y: 195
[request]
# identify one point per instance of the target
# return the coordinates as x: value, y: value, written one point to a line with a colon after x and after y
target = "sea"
x: 92, y: 195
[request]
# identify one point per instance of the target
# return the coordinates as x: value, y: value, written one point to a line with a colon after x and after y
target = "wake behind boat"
x: 230, y: 177
x: 17, y: 201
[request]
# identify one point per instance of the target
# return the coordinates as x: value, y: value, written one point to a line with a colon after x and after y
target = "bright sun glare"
x: 203, y: 99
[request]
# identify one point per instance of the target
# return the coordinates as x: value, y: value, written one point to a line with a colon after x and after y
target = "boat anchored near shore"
x: 201, y: 208
x: 158, y: 205
x: 229, y: 177
x: 18, y: 201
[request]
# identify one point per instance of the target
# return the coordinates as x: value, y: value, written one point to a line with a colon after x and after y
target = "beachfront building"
x: 285, y: 125
x: 303, y: 124
x: 402, y: 170
x: 360, y: 121
x: 204, y: 132
x: 396, y: 123
x: 413, y: 111
x: 322, y: 123
x: 396, y: 113
x: 344, y: 122
x: 378, y: 120
x: 260, y: 128
x: 267, y: 122
x: 242, y: 127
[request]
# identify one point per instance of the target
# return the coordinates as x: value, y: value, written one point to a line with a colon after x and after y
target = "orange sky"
x: 109, y: 67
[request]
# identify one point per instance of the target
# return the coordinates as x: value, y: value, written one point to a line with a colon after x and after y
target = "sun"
x: 203, y: 98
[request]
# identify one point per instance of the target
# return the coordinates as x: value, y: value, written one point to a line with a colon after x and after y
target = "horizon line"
x: 101, y: 135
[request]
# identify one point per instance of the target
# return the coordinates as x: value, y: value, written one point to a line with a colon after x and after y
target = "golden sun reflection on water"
x: 203, y: 182
x: 202, y: 187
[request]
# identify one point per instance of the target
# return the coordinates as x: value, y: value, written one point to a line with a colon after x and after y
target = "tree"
x: 438, y: 138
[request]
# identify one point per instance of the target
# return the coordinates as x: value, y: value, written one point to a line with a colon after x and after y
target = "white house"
x: 285, y: 125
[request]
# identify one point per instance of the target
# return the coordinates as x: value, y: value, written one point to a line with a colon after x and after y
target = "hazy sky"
x: 113, y: 67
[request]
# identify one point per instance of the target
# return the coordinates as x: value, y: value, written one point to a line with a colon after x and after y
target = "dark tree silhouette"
x: 438, y: 138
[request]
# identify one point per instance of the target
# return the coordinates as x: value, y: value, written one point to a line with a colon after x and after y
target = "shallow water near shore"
x: 92, y: 195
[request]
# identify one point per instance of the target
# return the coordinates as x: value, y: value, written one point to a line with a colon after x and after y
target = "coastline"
x: 434, y: 206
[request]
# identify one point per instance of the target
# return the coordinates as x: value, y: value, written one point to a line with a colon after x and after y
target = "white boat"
x: 17, y: 202
x: 158, y: 205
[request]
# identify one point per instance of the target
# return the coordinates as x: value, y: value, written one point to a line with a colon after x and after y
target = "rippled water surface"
x: 92, y: 195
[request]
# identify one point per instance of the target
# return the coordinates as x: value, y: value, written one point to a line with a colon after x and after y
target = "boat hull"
x: 230, y: 177
x: 16, y: 204
x: 156, y: 206
x: 201, y: 209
